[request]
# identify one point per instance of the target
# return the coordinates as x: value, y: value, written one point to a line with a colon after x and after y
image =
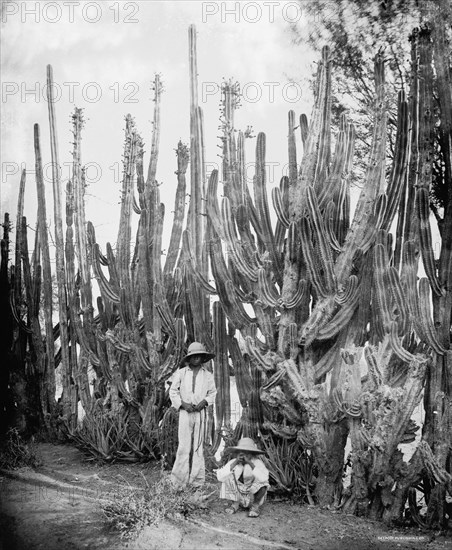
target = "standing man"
x: 192, y: 390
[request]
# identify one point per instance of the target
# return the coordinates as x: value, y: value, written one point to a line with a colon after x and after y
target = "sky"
x: 104, y: 57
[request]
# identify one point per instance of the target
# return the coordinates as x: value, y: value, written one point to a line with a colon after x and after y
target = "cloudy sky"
x: 104, y: 56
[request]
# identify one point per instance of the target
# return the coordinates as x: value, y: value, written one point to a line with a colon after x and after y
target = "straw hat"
x: 198, y: 349
x: 246, y: 445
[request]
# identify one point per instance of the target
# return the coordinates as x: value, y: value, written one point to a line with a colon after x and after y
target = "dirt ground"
x: 57, y: 507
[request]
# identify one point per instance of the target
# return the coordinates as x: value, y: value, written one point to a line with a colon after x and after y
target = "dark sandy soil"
x: 57, y: 507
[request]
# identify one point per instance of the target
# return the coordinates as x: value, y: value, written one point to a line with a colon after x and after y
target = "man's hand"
x: 234, y: 463
x: 242, y: 458
x: 201, y: 405
x: 239, y: 459
x: 187, y: 407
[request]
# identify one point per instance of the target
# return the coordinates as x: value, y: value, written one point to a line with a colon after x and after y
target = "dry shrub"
x: 130, y: 509
x: 16, y: 452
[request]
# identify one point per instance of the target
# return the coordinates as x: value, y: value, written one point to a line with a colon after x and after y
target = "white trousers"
x: 231, y: 489
x: 191, y: 430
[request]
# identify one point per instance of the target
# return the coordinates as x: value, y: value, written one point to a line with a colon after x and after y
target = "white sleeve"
x: 260, y: 471
x: 174, y: 392
x: 224, y: 472
x: 211, y: 389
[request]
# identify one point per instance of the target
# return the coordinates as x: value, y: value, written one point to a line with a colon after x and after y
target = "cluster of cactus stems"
x: 322, y: 283
x: 294, y: 310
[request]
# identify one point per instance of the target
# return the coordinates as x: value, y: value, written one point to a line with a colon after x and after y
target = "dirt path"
x: 57, y: 507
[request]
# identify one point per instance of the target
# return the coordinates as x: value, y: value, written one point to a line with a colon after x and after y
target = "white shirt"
x: 257, y: 474
x: 182, y: 387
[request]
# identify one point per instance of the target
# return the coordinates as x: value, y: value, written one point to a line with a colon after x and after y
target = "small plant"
x: 101, y: 434
x: 290, y: 467
x: 109, y: 437
x: 17, y: 453
x: 130, y: 509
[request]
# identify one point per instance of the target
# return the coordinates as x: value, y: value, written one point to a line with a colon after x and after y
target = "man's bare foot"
x: 254, y: 512
x: 232, y: 508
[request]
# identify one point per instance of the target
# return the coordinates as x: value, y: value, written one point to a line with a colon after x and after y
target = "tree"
x: 355, y: 31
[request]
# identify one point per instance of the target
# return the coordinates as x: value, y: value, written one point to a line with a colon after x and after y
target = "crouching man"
x: 244, y: 479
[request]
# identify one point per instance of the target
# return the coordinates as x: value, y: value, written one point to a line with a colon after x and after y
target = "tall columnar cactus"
x: 47, y: 367
x: 147, y: 311
x: 196, y: 216
x: 25, y: 352
x: 81, y: 332
x: 6, y: 296
x: 432, y: 47
x: 196, y: 221
x: 69, y: 397
x: 138, y: 337
x: 301, y: 308
x: 322, y: 282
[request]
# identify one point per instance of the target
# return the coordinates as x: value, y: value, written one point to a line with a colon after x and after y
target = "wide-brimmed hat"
x: 246, y: 445
x: 196, y: 348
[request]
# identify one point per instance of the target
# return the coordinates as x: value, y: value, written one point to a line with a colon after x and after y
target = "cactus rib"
x: 307, y: 247
x: 396, y: 347
x: 329, y: 227
x: 267, y: 291
x: 204, y: 284
x: 422, y: 202
x: 399, y: 299
x: 101, y: 279
x: 383, y: 299
x: 322, y: 241
x: 340, y: 320
x: 278, y: 205
x: 425, y: 314
x: 233, y: 243
x: 351, y: 287
x: 297, y: 297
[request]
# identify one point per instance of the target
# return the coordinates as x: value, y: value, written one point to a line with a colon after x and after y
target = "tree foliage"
x: 356, y: 30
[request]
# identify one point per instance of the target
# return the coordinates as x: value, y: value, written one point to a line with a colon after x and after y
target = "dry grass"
x: 130, y: 509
